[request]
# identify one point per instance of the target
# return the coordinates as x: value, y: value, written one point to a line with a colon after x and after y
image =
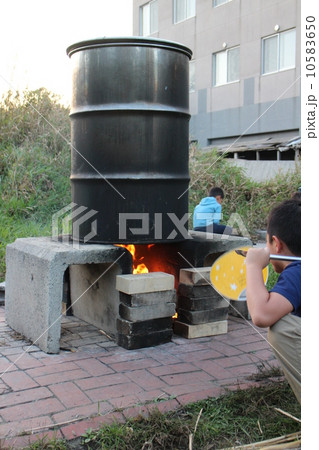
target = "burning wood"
x: 138, y: 266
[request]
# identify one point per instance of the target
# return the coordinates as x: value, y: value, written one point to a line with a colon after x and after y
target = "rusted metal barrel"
x: 129, y: 136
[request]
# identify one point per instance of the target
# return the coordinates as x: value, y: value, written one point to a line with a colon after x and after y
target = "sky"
x: 34, y: 35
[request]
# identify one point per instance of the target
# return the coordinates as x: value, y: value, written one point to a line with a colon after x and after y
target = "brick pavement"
x: 93, y: 381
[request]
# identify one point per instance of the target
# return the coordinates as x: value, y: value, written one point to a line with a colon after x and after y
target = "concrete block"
x: 94, y: 298
x: 238, y: 308
x: 137, y: 314
x: 144, y: 340
x: 204, y: 329
x: 145, y: 282
x: 34, y: 284
x: 204, y: 248
x: 188, y: 290
x: 150, y: 298
x: 195, y: 276
x: 199, y: 304
x: 205, y: 316
x: 146, y: 326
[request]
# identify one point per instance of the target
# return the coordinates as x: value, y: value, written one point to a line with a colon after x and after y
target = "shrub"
x: 35, y: 164
x: 34, y: 118
x: 251, y: 200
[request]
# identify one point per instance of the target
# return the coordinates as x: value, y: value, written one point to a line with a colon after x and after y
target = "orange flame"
x: 138, y: 267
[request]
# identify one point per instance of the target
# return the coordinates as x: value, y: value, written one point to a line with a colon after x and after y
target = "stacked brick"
x: 147, y: 304
x: 201, y: 310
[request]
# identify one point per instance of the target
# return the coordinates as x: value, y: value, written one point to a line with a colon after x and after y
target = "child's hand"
x: 258, y: 257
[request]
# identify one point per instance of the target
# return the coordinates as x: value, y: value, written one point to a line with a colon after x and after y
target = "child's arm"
x: 265, y: 308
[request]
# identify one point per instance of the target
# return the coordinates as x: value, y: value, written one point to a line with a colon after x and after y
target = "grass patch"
x: 237, y: 418
x: 272, y: 278
x: 46, y: 443
x: 35, y: 165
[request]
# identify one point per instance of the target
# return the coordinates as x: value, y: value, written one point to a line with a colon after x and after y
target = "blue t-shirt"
x: 289, y: 286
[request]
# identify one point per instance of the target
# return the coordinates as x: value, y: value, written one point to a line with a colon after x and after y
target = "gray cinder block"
x: 145, y: 282
x: 238, y: 308
x: 149, y: 298
x: 199, y: 304
x: 144, y: 340
x: 204, y: 329
x: 198, y: 291
x: 128, y: 328
x: 195, y: 276
x: 34, y: 285
x: 147, y: 312
x: 198, y: 317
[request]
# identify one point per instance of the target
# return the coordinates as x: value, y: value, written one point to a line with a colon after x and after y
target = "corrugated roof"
x: 267, y: 144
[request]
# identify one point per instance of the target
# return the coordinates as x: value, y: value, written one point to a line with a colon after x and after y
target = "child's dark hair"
x: 284, y: 221
x: 296, y: 196
x: 216, y: 191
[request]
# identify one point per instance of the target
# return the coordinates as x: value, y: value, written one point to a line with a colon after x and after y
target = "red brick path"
x: 93, y: 381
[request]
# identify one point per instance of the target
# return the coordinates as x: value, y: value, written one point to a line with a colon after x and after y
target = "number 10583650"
x: 310, y: 46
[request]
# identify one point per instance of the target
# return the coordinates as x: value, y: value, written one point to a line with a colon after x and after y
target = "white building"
x: 245, y: 71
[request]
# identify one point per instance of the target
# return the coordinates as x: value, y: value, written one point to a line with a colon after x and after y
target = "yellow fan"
x: 228, y: 275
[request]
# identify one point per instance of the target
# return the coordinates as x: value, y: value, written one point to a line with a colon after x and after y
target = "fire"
x: 138, y: 266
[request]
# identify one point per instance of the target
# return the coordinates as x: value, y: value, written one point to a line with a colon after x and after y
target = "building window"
x: 184, y: 9
x: 279, y: 52
x: 226, y: 66
x: 192, y: 76
x: 220, y: 2
x: 149, y: 18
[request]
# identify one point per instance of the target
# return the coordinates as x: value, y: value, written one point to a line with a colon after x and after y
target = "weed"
x: 110, y: 437
x: 251, y: 200
x: 46, y: 443
x: 34, y: 165
x: 89, y: 436
x: 266, y: 371
x: 272, y: 278
x: 34, y: 117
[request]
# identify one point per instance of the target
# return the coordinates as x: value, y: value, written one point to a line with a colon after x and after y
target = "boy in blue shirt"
x: 279, y: 309
x: 208, y: 213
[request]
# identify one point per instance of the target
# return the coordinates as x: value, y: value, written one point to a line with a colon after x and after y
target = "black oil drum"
x: 129, y: 139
